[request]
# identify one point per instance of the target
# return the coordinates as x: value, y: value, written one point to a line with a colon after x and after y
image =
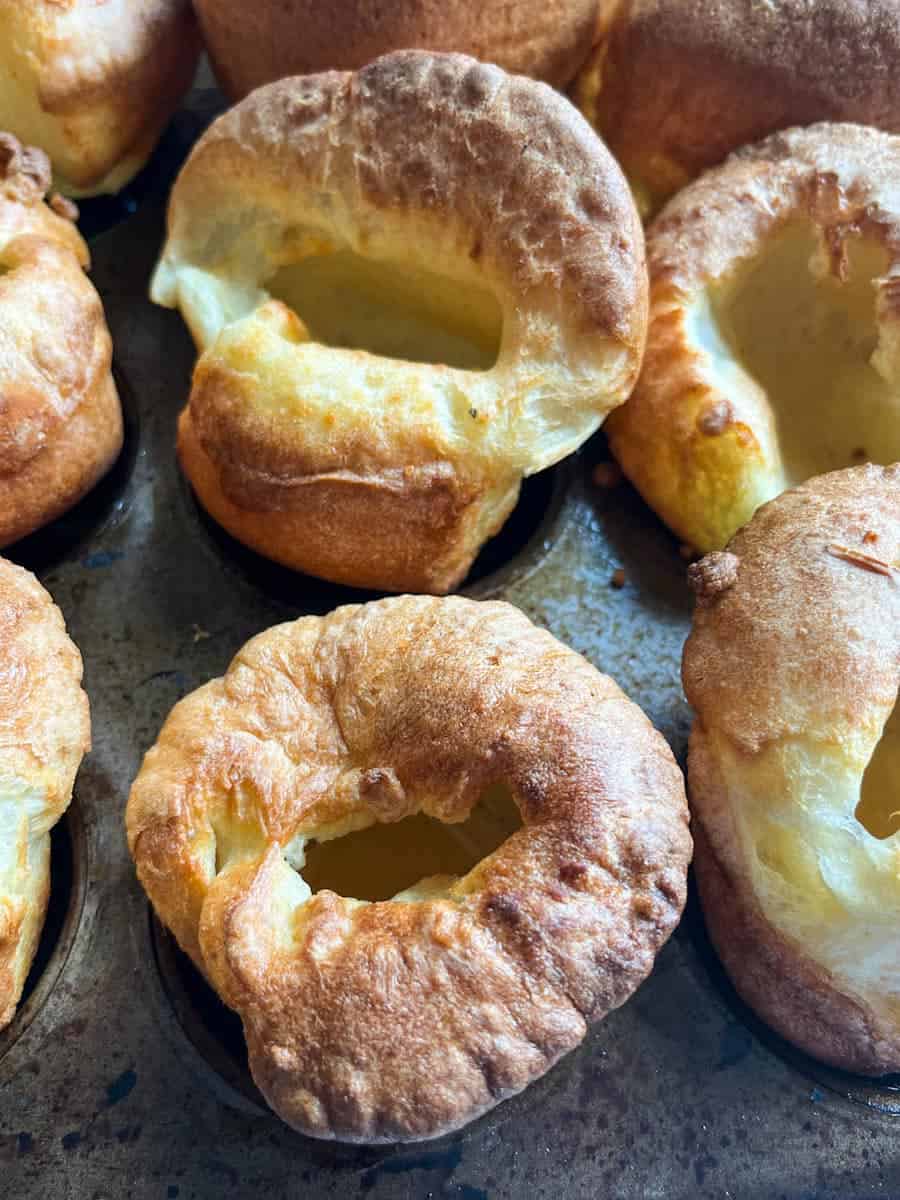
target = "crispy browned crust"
x: 407, y: 530
x: 682, y: 83
x: 449, y: 137
x: 104, y: 75
x: 402, y: 1020
x: 44, y: 732
x: 72, y: 461
x: 505, y: 168
x: 60, y: 420
x: 704, y: 459
x: 253, y: 44
x: 795, y: 638
x: 790, y: 589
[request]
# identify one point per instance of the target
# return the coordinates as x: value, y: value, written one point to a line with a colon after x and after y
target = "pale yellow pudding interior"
x: 820, y: 825
x: 391, y: 309
x: 386, y: 861
x: 879, y: 800
x: 24, y: 868
x: 808, y: 338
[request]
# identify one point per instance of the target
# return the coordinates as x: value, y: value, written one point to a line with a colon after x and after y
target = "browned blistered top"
x: 252, y: 44
x: 805, y: 640
x: 55, y: 348
x: 682, y: 83
x: 395, y: 1019
x: 44, y: 719
x: 507, y: 159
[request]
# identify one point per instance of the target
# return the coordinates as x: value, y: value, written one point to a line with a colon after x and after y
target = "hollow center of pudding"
x: 391, y: 309
x: 879, y: 799
x: 385, y: 861
x: 808, y: 339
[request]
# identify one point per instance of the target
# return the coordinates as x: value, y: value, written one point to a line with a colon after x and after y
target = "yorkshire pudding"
x: 93, y: 82
x: 405, y: 1015
x: 676, y: 85
x: 253, y: 44
x: 44, y: 732
x: 60, y: 420
x: 773, y: 352
x: 411, y: 287
x: 792, y: 668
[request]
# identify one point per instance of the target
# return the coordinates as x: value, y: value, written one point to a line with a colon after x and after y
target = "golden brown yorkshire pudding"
x: 773, y: 352
x: 253, y: 44
x: 411, y: 286
x: 60, y: 419
x: 44, y: 732
x: 440, y: 737
x: 93, y: 82
x: 676, y: 85
x: 793, y: 668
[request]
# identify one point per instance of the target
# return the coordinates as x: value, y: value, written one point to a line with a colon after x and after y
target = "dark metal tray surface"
x: 123, y: 1076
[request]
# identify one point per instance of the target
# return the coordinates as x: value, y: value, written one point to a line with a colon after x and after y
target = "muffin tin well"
x: 211, y: 1030
x: 105, y: 503
x: 882, y: 1094
x: 516, y: 549
x: 209, y: 1034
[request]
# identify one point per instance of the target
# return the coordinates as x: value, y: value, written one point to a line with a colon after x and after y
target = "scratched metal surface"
x: 122, y: 1077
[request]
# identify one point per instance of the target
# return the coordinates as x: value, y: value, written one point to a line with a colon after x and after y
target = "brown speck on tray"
x: 606, y: 475
x: 858, y: 558
x: 618, y: 577
x: 870, y: 538
x: 860, y: 454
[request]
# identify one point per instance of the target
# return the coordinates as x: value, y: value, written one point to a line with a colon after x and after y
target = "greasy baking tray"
x: 123, y: 1076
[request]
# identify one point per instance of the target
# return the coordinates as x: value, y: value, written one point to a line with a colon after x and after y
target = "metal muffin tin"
x: 122, y: 1074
